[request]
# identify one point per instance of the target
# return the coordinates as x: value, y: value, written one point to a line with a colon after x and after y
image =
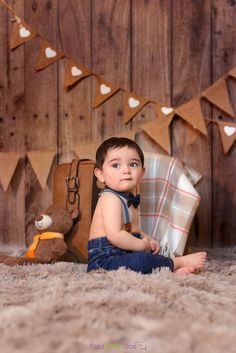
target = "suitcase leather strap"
x: 73, y: 184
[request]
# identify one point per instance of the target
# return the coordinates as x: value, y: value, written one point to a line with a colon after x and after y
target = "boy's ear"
x: 144, y: 170
x: 99, y: 174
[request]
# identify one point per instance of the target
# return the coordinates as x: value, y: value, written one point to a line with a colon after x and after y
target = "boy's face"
x: 122, y: 169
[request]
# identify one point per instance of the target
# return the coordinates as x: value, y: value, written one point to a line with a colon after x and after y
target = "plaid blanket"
x: 168, y: 202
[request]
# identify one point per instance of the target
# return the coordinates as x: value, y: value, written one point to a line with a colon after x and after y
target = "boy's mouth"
x: 126, y: 179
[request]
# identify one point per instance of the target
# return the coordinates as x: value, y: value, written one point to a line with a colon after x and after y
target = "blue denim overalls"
x: 102, y: 254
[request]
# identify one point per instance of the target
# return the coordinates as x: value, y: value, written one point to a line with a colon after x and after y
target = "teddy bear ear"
x: 74, y: 213
x: 49, y: 210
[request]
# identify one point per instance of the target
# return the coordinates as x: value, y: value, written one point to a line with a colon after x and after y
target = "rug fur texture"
x: 61, y: 308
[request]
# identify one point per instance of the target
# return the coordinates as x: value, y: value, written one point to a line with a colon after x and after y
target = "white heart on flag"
x: 24, y: 32
x: 75, y: 71
x: 50, y: 53
x: 133, y: 103
x: 166, y: 110
x: 229, y: 130
x: 104, y: 89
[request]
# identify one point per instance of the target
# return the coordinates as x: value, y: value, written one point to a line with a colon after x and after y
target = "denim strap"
x: 125, y: 207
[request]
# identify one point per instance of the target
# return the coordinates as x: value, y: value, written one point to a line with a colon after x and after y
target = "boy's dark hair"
x: 116, y: 142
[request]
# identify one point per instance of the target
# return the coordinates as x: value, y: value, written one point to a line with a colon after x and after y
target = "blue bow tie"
x: 132, y: 200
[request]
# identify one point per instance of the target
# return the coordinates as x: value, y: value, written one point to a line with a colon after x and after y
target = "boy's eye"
x: 134, y: 164
x: 115, y: 165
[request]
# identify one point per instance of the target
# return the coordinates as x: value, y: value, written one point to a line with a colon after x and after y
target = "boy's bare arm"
x: 112, y: 213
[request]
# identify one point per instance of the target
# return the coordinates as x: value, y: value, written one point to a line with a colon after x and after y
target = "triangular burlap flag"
x: 158, y: 130
x: 218, y: 95
x: 163, y: 111
x: 192, y: 135
x: 104, y: 90
x: 41, y: 162
x: 130, y: 134
x: 132, y: 105
x: 233, y: 72
x: 87, y: 150
x: 21, y: 34
x: 8, y: 163
x: 192, y: 113
x: 227, y: 133
x: 48, y: 55
x: 74, y: 73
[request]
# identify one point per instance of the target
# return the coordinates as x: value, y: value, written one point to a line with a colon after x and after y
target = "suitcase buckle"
x: 72, y: 188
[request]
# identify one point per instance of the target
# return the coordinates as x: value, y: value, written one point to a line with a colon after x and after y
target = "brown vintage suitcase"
x: 74, y: 187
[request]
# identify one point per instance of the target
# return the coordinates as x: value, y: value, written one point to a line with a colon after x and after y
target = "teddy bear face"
x: 43, y: 222
x: 57, y: 220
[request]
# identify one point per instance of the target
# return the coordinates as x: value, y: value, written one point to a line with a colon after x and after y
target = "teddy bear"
x: 48, y: 244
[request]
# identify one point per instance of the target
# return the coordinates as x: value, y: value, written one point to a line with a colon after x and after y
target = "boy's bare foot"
x: 184, y: 270
x: 196, y: 260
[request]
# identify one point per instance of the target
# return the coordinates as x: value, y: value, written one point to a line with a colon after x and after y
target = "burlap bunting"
x: 8, y: 163
x: 192, y: 135
x: 104, y: 90
x: 233, y: 72
x: 87, y: 150
x: 158, y: 130
x: 132, y: 105
x: 41, y: 162
x: 21, y: 34
x: 218, y: 95
x: 228, y: 134
x: 162, y: 111
x: 192, y: 113
x: 74, y: 73
x: 48, y: 55
x: 130, y: 134
x: 164, y: 114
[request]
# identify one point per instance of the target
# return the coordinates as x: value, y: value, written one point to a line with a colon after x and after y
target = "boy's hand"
x: 151, y: 245
x: 155, y: 246
x: 146, y: 241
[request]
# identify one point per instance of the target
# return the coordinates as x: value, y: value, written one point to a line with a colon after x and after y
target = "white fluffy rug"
x: 61, y: 308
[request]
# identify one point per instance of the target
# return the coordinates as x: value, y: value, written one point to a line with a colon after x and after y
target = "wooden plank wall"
x: 168, y: 51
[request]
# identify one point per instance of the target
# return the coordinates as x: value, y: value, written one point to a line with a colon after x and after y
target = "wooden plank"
x: 111, y: 60
x: 224, y: 178
x: 12, y: 118
x: 41, y: 105
x: 75, y: 104
x: 151, y: 60
x: 4, y: 219
x: 191, y: 49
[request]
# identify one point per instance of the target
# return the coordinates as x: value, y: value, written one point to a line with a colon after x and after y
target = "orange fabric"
x: 46, y: 235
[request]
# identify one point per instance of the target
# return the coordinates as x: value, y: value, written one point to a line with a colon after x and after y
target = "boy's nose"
x: 126, y: 170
